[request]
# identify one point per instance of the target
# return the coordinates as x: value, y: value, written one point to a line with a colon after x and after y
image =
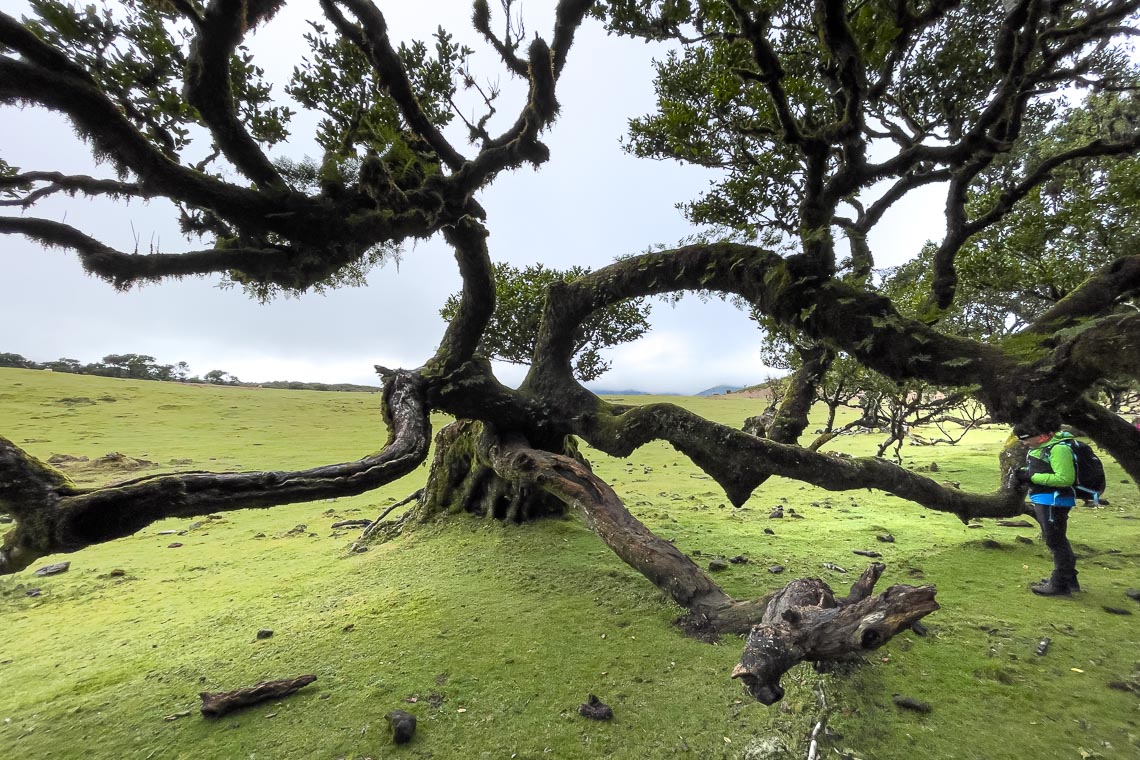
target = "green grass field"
x: 493, y: 634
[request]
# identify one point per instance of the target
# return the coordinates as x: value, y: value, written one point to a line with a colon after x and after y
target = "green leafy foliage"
x: 137, y: 52
x: 338, y: 80
x: 520, y: 296
x: 1084, y: 216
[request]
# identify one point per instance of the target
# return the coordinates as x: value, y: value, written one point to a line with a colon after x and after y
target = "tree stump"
x: 804, y: 621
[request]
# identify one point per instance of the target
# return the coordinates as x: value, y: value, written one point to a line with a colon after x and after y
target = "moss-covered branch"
x: 208, y: 82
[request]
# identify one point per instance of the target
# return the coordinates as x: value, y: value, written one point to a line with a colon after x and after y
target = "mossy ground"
x: 493, y: 634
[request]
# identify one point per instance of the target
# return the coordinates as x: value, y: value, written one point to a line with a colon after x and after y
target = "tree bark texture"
x: 217, y: 704
x: 804, y: 621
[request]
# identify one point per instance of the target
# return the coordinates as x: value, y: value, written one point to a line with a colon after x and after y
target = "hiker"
x: 1050, y: 473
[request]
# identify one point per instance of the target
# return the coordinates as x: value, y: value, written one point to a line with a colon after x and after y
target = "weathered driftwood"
x: 215, y: 705
x: 804, y: 621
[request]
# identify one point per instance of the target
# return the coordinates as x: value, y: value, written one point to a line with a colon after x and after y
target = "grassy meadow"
x: 491, y: 635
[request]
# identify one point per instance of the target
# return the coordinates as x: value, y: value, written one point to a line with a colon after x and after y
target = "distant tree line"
x: 143, y: 367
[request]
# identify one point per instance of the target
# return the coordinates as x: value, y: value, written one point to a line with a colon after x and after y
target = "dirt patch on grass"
x: 112, y: 462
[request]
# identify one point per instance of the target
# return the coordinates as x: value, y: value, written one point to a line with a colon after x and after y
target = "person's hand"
x: 1022, y: 476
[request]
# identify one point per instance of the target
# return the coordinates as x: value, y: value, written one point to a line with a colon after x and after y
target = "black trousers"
x: 1054, y: 522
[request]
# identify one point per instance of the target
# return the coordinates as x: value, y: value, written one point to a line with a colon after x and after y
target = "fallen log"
x: 217, y: 704
x: 805, y: 622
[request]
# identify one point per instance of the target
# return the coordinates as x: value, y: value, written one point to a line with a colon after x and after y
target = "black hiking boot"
x: 1074, y: 585
x: 1048, y: 588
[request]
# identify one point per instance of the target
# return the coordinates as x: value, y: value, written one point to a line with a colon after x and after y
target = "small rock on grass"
x: 265, y: 633
x: 1133, y: 593
x: 717, y: 565
x: 403, y: 725
x: 886, y: 538
x: 56, y: 569
x: 1117, y: 610
x: 739, y: 559
x: 865, y: 553
x: 595, y: 709
x: 776, y: 569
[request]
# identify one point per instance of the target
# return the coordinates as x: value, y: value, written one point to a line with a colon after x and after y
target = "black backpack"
x: 1090, y: 483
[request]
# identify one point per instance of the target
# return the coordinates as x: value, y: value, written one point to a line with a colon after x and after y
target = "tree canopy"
x: 817, y: 117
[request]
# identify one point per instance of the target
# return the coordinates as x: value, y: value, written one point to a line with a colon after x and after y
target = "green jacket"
x: 1055, y: 467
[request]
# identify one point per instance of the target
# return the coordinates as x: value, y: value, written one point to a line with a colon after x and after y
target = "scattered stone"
x: 776, y: 569
x: 1117, y: 610
x: 915, y: 572
x: 1133, y: 593
x: 776, y: 513
x: 259, y: 535
x: 167, y: 532
x: 297, y: 530
x: 1023, y: 540
x: 769, y: 532
x: 118, y: 572
x: 717, y: 565
x: 832, y: 566
x: 1015, y: 523
x: 919, y: 629
x: 264, y: 633
x: 595, y: 709
x: 739, y: 559
x: 177, y: 715
x: 934, y: 467
x: 886, y: 538
x: 1043, y: 646
x: 1129, y: 686
x: 359, y: 549
x: 181, y: 461
x: 696, y: 552
x: 403, y: 725
x: 195, y: 525
x: 56, y: 569
x: 795, y: 514
x: 174, y: 545
x: 910, y: 703
x: 33, y: 592
x: 866, y: 553
x: 989, y: 543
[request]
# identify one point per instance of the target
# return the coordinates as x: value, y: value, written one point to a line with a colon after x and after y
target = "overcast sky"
x: 589, y: 204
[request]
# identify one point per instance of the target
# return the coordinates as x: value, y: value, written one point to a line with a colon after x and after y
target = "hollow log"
x: 805, y: 622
